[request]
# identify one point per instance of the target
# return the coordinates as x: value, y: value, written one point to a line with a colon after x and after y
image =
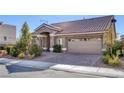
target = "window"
x: 69, y: 39
x: 85, y: 39
x: 60, y: 41
x: 33, y: 41
x: 5, y: 38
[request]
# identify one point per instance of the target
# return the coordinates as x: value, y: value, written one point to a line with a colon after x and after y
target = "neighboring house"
x: 7, y: 34
x: 122, y: 37
x: 87, y: 36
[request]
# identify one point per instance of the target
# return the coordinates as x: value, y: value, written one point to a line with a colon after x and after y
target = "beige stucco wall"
x: 9, y: 32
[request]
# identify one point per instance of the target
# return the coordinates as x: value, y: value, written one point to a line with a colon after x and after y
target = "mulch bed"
x: 100, y: 63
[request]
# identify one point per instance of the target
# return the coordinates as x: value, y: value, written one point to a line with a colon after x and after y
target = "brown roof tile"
x: 122, y: 36
x: 86, y: 25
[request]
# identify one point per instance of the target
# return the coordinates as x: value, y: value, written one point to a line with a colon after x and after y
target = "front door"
x: 45, y: 41
x: 48, y: 42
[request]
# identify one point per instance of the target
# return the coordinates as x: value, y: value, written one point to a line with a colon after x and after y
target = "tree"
x: 25, y: 38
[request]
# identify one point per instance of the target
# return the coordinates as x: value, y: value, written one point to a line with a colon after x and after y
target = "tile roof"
x: 122, y: 36
x: 86, y: 25
x: 48, y: 26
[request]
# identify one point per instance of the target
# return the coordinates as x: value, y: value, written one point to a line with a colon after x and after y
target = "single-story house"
x: 7, y: 34
x: 122, y: 37
x: 87, y: 36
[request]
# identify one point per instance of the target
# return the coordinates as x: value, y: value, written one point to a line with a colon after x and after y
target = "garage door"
x: 92, y: 46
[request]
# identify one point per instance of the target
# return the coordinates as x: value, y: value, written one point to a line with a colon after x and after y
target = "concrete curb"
x: 3, y: 70
x: 108, y: 72
x: 4, y: 60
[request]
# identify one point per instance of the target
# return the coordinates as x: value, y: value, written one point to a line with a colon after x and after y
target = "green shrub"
x: 8, y: 48
x: 112, y: 49
x: 57, y: 48
x: 31, y: 56
x: 35, y: 50
x: 106, y: 58
x: 21, y: 55
x: 14, y: 52
x: 111, y: 57
x: 114, y: 61
x: 118, y: 46
x: 2, y: 48
x: 107, y: 51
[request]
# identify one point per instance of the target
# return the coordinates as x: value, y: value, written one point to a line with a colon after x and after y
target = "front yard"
x: 76, y: 59
x: 73, y: 59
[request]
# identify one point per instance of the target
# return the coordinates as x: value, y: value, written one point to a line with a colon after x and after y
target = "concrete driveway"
x: 71, y: 59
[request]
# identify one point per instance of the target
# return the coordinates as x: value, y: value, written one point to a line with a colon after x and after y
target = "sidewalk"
x: 108, y: 72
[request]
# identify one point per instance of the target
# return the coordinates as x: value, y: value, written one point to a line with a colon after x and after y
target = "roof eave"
x: 81, y: 33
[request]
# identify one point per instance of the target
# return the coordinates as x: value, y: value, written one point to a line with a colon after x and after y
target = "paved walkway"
x: 62, y: 67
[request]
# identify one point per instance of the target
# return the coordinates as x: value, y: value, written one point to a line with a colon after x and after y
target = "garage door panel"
x: 87, y: 47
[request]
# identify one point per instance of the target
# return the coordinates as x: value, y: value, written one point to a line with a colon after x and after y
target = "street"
x: 42, y: 74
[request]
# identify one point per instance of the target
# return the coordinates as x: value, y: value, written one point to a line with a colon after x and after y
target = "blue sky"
x: 36, y: 20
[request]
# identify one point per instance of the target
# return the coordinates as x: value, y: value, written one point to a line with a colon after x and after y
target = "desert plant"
x: 106, y: 58
x: 8, y: 48
x: 31, y: 56
x: 35, y: 50
x: 114, y: 61
x: 107, y: 51
x: 112, y: 49
x: 111, y: 56
x: 57, y: 48
x: 21, y: 55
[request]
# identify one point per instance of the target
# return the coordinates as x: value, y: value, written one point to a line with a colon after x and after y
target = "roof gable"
x: 49, y: 27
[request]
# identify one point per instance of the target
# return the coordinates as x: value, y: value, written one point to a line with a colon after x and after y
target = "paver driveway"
x: 72, y: 59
